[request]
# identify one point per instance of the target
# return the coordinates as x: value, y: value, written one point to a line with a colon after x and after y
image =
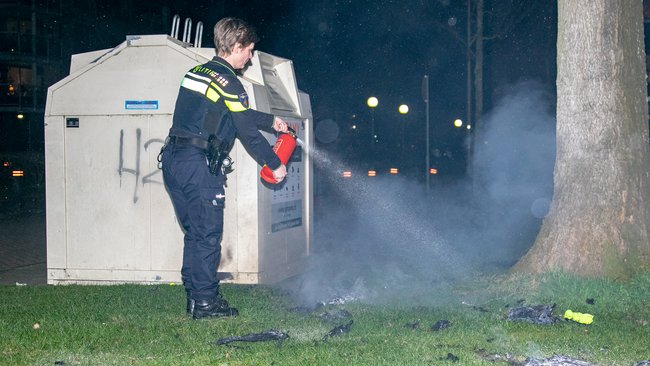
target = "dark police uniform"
x: 208, y: 93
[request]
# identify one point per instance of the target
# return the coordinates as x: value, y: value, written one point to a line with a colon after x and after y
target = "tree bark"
x: 599, y: 217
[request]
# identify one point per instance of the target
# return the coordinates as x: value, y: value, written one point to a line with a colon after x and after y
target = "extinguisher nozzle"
x: 292, y: 132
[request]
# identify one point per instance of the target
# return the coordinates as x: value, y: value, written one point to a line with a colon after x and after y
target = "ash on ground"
x: 537, y: 314
x: 558, y: 360
x: 555, y: 360
x: 335, y: 315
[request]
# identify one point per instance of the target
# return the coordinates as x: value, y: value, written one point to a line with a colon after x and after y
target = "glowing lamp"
x: 372, y: 102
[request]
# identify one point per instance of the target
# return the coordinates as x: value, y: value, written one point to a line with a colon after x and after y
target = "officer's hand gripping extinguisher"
x: 283, y: 148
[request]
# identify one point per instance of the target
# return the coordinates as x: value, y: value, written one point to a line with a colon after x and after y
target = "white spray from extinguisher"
x: 302, y: 144
x: 304, y: 147
x: 389, y: 222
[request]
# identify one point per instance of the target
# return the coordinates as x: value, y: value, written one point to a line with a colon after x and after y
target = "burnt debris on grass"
x: 267, y: 335
x: 536, y: 314
x: 440, y: 325
x: 338, y: 330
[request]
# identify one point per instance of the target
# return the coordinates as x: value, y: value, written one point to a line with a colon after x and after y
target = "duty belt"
x: 193, y: 141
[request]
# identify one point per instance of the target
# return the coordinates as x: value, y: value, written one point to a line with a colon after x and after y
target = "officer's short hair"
x: 229, y: 31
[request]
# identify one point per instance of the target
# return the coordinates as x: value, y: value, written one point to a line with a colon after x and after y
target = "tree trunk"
x: 599, y: 218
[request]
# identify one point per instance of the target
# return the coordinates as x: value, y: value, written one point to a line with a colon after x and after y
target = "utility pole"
x: 425, y: 95
x: 469, y: 62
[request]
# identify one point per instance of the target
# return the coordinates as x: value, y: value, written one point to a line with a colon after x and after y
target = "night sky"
x: 347, y: 50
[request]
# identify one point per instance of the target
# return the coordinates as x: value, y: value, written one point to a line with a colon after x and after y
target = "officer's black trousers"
x: 198, y: 199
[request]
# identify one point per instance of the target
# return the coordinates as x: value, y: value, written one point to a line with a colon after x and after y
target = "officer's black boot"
x: 215, y: 307
x: 190, y: 306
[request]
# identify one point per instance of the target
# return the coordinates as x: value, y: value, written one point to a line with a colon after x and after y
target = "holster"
x: 217, y: 153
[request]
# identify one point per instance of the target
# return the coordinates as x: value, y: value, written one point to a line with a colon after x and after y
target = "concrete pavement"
x: 23, y: 250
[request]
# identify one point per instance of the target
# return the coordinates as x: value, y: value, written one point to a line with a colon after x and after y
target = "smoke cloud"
x: 383, y: 240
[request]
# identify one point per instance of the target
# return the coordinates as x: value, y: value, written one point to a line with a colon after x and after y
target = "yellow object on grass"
x: 579, y: 317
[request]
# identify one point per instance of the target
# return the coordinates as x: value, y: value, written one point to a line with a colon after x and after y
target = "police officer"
x: 212, y: 106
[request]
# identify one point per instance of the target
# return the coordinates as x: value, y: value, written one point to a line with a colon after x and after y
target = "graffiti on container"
x: 140, y: 178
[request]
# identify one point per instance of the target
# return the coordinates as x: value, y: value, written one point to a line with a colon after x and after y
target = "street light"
x: 458, y: 123
x: 372, y: 102
x: 21, y: 116
x: 403, y: 109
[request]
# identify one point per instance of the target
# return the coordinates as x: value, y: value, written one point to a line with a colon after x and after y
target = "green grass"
x: 146, y: 325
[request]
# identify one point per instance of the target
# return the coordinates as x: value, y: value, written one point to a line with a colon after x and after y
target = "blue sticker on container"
x: 140, y: 104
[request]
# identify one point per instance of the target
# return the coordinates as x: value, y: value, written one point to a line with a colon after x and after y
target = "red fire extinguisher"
x: 283, y: 148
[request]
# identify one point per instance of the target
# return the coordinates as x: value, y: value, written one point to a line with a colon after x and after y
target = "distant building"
x: 37, y: 38
x: 31, y: 58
